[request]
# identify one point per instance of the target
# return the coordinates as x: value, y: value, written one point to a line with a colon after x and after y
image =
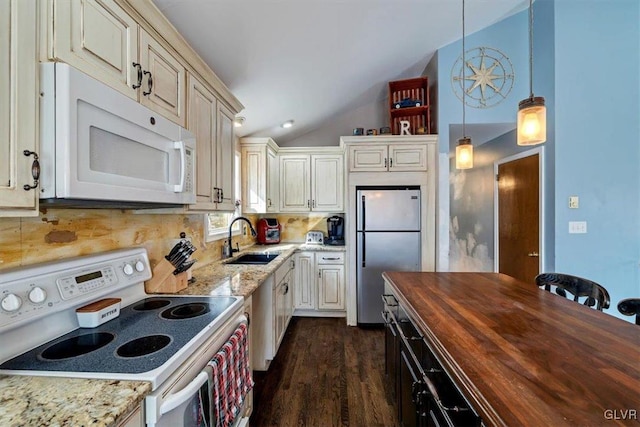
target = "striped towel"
x: 231, y: 378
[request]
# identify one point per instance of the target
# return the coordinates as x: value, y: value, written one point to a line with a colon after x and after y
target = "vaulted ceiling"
x: 311, y: 60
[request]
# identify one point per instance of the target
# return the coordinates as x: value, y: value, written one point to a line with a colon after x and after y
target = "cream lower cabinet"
x: 259, y: 175
x: 18, y: 108
x: 272, y: 311
x: 212, y: 124
x: 101, y: 39
x: 320, y: 283
x: 311, y: 182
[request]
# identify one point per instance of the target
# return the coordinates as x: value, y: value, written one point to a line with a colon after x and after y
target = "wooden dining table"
x: 523, y: 356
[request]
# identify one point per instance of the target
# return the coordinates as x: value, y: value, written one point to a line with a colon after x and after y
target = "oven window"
x: 197, y: 413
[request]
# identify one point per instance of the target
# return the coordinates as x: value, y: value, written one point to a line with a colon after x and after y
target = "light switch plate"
x: 574, y: 202
x: 577, y: 227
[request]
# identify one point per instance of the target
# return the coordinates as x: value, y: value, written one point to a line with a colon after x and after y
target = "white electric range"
x: 164, y: 339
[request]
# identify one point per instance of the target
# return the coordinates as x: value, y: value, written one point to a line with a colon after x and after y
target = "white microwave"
x: 100, y: 148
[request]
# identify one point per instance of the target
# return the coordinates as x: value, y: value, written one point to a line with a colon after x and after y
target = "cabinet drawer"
x: 330, y: 258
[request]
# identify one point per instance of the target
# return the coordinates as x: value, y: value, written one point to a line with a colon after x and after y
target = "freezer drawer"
x: 379, y: 252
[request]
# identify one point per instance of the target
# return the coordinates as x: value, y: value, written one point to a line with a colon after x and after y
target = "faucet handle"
x: 237, y: 248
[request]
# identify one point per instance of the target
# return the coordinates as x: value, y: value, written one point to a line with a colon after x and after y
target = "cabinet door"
x: 202, y: 123
x: 99, y: 38
x: 273, y: 181
x: 304, y: 297
x: 279, y: 312
x: 295, y: 185
x: 254, y: 177
x: 331, y: 287
x: 368, y: 158
x: 407, y: 158
x: 327, y: 183
x: 288, y: 299
x: 225, y: 159
x: 163, y: 83
x: 18, y: 106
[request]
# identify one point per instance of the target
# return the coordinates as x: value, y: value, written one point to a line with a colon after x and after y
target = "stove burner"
x: 77, y: 346
x: 186, y: 311
x: 143, y: 346
x: 152, y: 304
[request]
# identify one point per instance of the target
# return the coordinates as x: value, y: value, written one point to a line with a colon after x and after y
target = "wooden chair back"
x: 594, y: 294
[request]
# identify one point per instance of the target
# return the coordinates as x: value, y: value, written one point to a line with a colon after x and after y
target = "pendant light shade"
x: 464, y: 149
x: 532, y: 114
x: 464, y: 153
x: 532, y: 121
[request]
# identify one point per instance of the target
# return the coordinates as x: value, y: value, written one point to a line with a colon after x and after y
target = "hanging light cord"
x: 531, y: 48
x: 462, y: 80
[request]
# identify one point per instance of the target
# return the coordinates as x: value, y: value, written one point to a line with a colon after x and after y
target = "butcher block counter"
x: 524, y: 356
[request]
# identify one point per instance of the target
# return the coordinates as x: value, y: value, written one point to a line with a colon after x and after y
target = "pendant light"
x: 464, y: 150
x: 532, y: 114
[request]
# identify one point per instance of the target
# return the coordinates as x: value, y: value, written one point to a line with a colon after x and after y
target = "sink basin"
x: 254, y: 259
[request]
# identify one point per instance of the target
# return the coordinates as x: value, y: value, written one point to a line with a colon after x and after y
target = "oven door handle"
x: 185, y: 394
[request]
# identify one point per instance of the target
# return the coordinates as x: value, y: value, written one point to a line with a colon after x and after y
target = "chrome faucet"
x: 227, y: 249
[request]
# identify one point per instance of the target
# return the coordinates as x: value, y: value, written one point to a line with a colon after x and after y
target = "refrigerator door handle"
x: 364, y: 248
x: 364, y: 211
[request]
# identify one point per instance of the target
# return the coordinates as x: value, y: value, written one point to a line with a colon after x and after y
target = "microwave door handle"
x: 185, y: 394
x: 179, y: 145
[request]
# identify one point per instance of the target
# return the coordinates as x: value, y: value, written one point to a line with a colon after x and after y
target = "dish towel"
x: 231, y: 378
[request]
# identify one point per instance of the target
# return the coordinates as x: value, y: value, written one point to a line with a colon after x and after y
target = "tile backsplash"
x: 63, y: 233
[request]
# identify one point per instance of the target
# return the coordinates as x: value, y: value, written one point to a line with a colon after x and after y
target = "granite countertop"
x: 219, y: 278
x: 51, y: 401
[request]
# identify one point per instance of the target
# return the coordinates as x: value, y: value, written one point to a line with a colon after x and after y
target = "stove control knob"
x: 128, y: 269
x: 11, y: 303
x: 37, y: 295
x: 139, y: 266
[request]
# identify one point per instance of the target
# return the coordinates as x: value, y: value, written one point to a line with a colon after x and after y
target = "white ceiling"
x: 310, y: 60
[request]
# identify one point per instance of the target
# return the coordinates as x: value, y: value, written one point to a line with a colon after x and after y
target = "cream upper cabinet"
x: 311, y: 182
x: 387, y: 157
x: 295, y: 183
x: 327, y: 183
x: 225, y: 159
x: 18, y: 108
x: 101, y: 39
x: 163, y: 82
x: 273, y: 180
x: 212, y: 124
x: 259, y: 175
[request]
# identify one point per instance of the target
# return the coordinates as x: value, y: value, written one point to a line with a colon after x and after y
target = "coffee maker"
x: 335, y: 230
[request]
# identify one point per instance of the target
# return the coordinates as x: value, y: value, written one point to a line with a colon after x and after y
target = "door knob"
x: 533, y: 254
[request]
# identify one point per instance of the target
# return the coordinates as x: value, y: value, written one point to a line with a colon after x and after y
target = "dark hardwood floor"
x: 325, y: 374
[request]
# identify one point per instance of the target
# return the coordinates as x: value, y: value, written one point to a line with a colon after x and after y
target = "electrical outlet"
x: 577, y: 227
x: 574, y: 202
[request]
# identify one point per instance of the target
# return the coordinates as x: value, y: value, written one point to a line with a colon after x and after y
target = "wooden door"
x: 273, y: 181
x: 519, y: 218
x: 254, y: 185
x: 303, y: 296
x: 368, y: 158
x: 331, y: 287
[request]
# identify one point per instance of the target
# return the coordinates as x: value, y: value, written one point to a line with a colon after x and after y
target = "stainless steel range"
x: 166, y: 340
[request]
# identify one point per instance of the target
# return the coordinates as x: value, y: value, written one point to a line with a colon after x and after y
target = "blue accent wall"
x: 597, y: 91
x: 587, y: 66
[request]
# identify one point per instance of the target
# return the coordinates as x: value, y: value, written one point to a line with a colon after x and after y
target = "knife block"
x: 163, y: 281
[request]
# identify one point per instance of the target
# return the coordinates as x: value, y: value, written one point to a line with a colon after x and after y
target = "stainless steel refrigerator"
x: 388, y: 239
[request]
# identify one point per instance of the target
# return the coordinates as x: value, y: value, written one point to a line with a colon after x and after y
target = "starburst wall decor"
x: 486, y: 77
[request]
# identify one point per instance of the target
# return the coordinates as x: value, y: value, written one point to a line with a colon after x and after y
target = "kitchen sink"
x: 254, y: 259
